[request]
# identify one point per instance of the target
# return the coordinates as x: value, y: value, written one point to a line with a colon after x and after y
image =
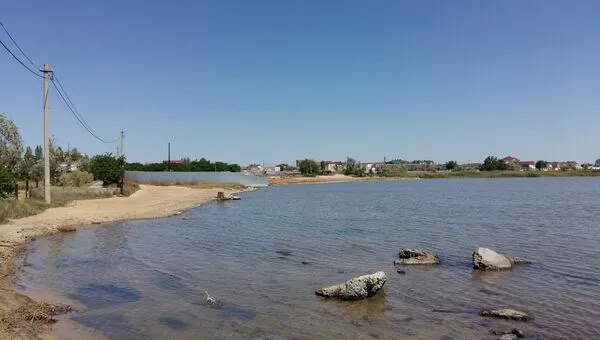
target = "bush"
x: 7, y: 182
x: 107, y: 168
x: 75, y: 179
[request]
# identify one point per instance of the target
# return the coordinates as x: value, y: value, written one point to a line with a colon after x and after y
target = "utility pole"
x: 169, y: 158
x: 46, y: 139
x: 122, y: 138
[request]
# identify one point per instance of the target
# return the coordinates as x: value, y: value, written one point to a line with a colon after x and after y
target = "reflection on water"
x: 263, y: 257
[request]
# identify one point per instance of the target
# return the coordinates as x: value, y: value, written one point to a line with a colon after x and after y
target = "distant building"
x: 177, y: 161
x: 527, y: 165
x: 471, y: 166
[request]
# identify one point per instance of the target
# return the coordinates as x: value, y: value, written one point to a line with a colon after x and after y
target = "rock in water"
x: 487, y: 259
x: 416, y: 256
x: 506, y: 313
x: 510, y: 335
x: 516, y: 260
x: 357, y: 288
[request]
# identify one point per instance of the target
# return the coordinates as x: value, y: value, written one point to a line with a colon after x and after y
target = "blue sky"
x: 273, y: 81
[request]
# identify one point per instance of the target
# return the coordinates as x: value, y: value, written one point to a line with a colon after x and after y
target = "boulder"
x: 487, y: 259
x: 506, y: 313
x: 416, y: 256
x: 357, y: 288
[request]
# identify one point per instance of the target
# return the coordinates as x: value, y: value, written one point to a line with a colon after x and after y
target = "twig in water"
x: 209, y: 299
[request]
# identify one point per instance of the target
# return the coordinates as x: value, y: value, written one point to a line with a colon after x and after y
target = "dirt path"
x: 16, y: 310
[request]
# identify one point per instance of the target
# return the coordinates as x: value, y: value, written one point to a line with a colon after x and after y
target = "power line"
x: 75, y: 111
x: 19, y: 60
x: 16, y: 44
x: 77, y: 116
x: 66, y: 100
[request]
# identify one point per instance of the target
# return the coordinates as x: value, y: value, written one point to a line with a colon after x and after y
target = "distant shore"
x: 283, y: 179
x: 148, y: 202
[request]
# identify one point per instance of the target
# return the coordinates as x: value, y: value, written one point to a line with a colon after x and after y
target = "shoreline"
x: 147, y: 203
x: 275, y: 180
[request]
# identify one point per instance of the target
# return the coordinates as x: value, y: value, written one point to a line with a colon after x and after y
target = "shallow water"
x: 264, y: 256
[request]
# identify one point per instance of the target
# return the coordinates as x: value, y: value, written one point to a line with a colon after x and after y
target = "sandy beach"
x: 23, y: 318
x: 281, y: 180
x: 338, y: 178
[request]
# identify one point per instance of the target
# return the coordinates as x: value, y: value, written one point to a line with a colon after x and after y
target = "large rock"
x: 487, y: 259
x: 506, y: 313
x: 357, y: 288
x: 416, y: 256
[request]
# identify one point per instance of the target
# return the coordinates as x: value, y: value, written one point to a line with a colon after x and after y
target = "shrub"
x: 107, y: 168
x: 75, y: 179
x: 7, y: 182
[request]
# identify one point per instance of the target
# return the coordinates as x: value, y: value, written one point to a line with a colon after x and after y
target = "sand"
x: 16, y: 309
x: 279, y: 180
x: 337, y: 178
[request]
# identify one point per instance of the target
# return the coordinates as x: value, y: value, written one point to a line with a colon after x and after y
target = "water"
x: 264, y: 256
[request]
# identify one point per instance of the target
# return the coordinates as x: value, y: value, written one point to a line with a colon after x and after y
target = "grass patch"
x: 128, y: 188
x: 11, y: 208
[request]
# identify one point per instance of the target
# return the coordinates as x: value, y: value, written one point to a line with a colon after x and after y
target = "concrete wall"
x: 190, y: 177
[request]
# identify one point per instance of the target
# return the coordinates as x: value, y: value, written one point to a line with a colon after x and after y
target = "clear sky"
x: 273, y: 81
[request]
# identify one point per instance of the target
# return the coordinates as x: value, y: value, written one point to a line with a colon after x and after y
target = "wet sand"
x: 16, y: 309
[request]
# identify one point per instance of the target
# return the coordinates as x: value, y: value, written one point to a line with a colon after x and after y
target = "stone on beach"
x: 66, y: 229
x: 357, y: 288
x: 416, y: 256
x: 506, y: 313
x: 487, y: 259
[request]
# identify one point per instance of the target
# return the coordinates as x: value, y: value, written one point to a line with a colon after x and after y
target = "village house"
x: 527, y: 165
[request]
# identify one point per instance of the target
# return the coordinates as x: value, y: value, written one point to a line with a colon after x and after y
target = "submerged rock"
x: 357, y: 288
x: 516, y: 260
x: 416, y: 256
x: 506, y: 313
x: 510, y: 335
x: 487, y: 259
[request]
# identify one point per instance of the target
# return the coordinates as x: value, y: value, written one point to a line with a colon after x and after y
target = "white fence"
x: 192, y: 177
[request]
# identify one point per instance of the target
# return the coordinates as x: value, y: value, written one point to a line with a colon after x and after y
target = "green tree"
x: 107, y: 168
x: 451, y: 165
x: 309, y: 167
x: 39, y: 153
x: 285, y: 167
x: 540, y: 165
x: 492, y: 163
x: 7, y: 182
x: 323, y: 166
x: 353, y: 167
x: 235, y: 168
x: 11, y: 144
x: 27, y: 164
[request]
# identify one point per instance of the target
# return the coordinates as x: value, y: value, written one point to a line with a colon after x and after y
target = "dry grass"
x: 201, y: 185
x: 128, y: 188
x: 11, y: 208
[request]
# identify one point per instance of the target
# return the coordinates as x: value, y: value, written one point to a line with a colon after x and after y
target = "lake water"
x: 264, y: 256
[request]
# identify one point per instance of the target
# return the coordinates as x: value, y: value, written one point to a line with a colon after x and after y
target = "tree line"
x: 199, y: 165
